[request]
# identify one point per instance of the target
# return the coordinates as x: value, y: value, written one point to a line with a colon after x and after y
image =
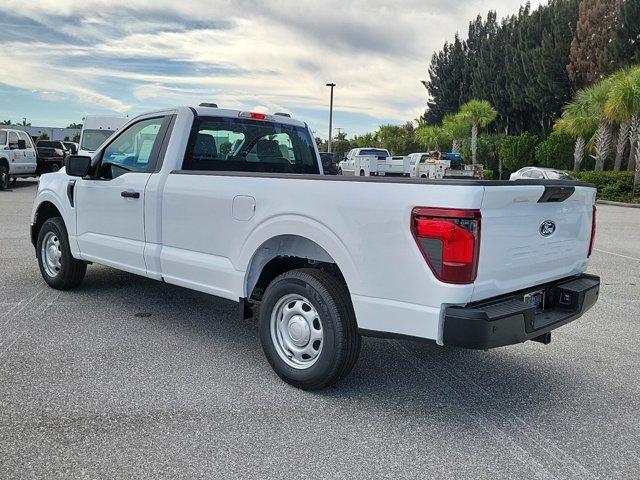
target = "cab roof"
x: 224, y: 112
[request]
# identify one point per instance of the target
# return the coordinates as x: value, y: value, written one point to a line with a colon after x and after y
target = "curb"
x: 618, y: 204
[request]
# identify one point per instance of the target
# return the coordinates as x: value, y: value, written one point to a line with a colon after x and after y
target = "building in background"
x: 54, y: 133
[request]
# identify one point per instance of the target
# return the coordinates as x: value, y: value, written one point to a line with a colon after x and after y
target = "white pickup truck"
x: 18, y: 157
x: 365, y: 162
x: 235, y: 204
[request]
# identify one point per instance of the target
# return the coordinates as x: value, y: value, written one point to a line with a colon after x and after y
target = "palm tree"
x: 595, y: 98
x: 634, y: 127
x: 477, y: 113
x: 431, y: 137
x: 577, y: 121
x: 623, y: 105
x: 456, y: 128
x: 621, y: 144
x: 6, y: 122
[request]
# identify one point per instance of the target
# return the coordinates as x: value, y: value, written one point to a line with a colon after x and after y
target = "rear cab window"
x: 247, y: 145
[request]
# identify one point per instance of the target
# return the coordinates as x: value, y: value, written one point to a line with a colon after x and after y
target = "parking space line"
x: 617, y: 254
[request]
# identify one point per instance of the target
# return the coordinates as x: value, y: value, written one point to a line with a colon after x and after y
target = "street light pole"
x: 330, y: 117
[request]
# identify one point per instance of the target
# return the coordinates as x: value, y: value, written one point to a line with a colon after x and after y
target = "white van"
x: 96, y: 130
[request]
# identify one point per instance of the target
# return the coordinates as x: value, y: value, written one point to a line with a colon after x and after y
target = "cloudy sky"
x: 63, y: 59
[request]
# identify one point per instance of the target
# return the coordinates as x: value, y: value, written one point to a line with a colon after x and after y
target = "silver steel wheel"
x: 296, y: 331
x: 51, y: 254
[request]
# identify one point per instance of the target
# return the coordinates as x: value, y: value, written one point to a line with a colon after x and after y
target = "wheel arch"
x: 43, y: 212
x: 283, y: 244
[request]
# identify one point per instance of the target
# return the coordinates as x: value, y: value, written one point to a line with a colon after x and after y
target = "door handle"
x: 128, y: 194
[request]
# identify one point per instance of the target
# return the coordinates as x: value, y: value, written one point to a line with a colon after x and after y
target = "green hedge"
x: 615, y: 186
x: 556, y: 152
x: 517, y: 151
x: 488, y: 174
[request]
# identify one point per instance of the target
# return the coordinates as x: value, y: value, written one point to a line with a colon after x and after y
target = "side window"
x: 13, y: 140
x: 244, y: 145
x: 3, y: 138
x: 131, y: 151
x: 27, y: 139
x: 536, y: 174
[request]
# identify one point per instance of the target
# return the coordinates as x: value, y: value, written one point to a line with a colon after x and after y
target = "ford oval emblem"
x: 547, y: 228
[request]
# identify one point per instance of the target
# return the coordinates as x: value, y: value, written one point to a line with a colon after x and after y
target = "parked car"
x: 326, y: 259
x: 72, y: 147
x: 528, y: 173
x: 17, y: 156
x: 51, y: 155
x: 96, y: 129
x: 328, y: 165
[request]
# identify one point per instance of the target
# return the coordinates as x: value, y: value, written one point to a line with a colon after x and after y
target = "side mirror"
x: 77, y: 166
x: 22, y: 144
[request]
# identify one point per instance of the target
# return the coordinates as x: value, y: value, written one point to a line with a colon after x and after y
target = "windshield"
x: 374, y: 151
x: 557, y: 175
x: 92, y: 139
x: 3, y: 138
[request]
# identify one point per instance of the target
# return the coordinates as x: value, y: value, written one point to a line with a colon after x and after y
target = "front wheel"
x: 4, y: 177
x: 308, y: 328
x: 362, y: 173
x: 58, y: 268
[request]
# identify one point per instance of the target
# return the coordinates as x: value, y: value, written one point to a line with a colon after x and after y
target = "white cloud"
x: 276, y: 55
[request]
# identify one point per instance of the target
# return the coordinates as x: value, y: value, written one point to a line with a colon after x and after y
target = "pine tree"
x: 625, y: 47
x: 447, y: 85
x: 589, y: 58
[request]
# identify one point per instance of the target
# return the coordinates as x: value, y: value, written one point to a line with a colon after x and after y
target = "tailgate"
x: 531, y: 234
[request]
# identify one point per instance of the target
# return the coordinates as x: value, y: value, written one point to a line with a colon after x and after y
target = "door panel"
x: 110, y: 227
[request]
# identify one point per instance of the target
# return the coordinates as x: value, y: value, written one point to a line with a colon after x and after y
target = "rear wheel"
x: 58, y: 268
x: 362, y: 173
x: 308, y: 329
x: 4, y: 177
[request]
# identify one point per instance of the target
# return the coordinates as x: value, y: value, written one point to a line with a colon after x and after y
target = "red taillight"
x: 593, y: 231
x: 254, y: 115
x: 449, y: 240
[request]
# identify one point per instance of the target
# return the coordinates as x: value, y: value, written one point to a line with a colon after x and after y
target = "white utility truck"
x: 235, y: 204
x: 436, y: 166
x: 96, y: 129
x: 18, y: 157
x: 365, y: 162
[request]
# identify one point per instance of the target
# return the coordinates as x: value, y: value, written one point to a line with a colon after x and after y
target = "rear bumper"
x: 508, y: 319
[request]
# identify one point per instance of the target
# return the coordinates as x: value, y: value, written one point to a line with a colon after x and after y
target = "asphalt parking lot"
x: 128, y: 378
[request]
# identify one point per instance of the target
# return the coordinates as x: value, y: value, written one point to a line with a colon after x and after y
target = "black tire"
x: 4, y: 177
x: 339, y: 171
x: 71, y: 271
x: 341, y: 339
x: 362, y: 173
x: 14, y: 180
